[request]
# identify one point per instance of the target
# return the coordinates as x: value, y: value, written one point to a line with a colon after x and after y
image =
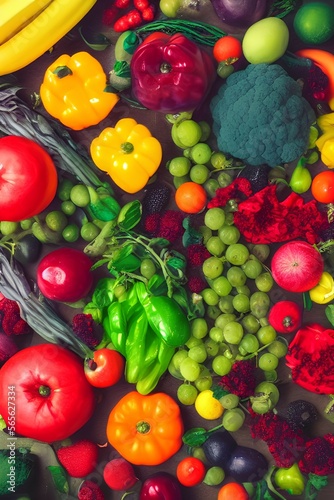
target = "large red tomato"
x: 28, y: 178
x: 44, y: 393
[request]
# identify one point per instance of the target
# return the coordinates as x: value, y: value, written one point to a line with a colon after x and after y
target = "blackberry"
x: 301, y: 414
x: 156, y: 199
x: 256, y: 175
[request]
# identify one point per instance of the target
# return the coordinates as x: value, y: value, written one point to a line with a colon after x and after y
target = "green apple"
x: 265, y: 41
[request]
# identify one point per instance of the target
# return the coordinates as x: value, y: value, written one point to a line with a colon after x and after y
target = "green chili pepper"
x: 105, y: 207
x: 117, y: 326
x: 290, y: 480
x: 152, y: 346
x: 146, y: 384
x: 135, y: 346
x: 165, y: 317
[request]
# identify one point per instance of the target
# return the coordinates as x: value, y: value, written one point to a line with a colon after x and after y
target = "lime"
x: 207, y: 406
x: 314, y: 22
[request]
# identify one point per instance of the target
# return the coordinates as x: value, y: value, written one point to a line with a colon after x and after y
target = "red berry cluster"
x: 137, y: 13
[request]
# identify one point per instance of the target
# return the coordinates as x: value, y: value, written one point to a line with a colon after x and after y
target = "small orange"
x: 232, y: 491
x: 228, y: 48
x: 191, y: 197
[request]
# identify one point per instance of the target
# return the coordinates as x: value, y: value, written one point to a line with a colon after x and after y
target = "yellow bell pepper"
x: 325, y: 143
x: 75, y: 91
x: 323, y: 292
x: 128, y: 153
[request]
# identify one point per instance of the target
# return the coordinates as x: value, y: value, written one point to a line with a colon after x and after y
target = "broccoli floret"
x: 260, y: 116
x: 17, y: 471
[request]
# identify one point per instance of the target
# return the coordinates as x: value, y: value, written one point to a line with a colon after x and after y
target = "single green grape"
x: 261, y: 252
x: 56, y: 220
x: 237, y: 254
x: 203, y: 382
x: 221, y: 286
x: 233, y: 332
x: 229, y: 234
x: 278, y: 347
x: 266, y: 334
x: 216, y: 334
x: 199, y: 173
x: 193, y: 341
x: 268, y: 362
x: 64, y: 189
x: 252, y: 268
x: 201, y: 153
x: 249, y: 344
x: 215, y: 246
x: 236, y: 276
x: 7, y: 227
x: 241, y: 303
x: 259, y: 304
x: 214, y: 476
x: 178, y: 357
x: 212, y: 312
x: 206, y: 234
x: 198, y: 353
x: 71, y: 233
x: 199, y: 328
x: 214, y: 218
x: 229, y: 401
x: 190, y: 369
x: 68, y: 207
x: 250, y: 323
x: 211, y: 186
x: 210, y: 296
x: 212, y: 347
x: 79, y: 195
x: 218, y: 160
x: 224, y: 179
x: 212, y: 267
x: 221, y: 365
x: 187, y: 394
x: 26, y: 223
x: 89, y: 231
x: 177, y: 181
x: 225, y: 304
x: 179, y: 166
x: 264, y: 282
x: 147, y: 268
x: 206, y: 130
x: 188, y: 133
x: 233, y: 419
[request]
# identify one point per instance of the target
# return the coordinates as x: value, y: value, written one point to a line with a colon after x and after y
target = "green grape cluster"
x: 235, y: 326
x: 198, y: 161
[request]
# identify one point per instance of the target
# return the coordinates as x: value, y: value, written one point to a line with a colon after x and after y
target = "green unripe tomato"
x: 170, y: 7
x: 8, y: 228
x: 265, y: 41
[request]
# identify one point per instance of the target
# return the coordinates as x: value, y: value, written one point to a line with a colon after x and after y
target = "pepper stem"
x: 143, y: 427
x: 127, y: 147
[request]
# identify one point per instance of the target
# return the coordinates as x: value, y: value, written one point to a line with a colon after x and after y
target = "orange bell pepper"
x: 145, y: 430
x: 76, y: 92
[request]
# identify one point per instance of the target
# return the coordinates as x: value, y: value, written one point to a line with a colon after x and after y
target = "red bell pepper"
x: 171, y: 73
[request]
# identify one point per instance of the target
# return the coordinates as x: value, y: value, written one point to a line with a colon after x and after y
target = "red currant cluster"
x: 137, y: 13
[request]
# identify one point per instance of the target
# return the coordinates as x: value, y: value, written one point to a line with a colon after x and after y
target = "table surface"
x: 30, y: 79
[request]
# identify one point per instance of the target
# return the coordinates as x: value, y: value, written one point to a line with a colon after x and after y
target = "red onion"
x: 241, y: 13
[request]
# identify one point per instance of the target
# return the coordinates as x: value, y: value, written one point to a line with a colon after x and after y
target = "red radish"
x: 285, y: 316
x: 297, y: 266
x: 119, y: 474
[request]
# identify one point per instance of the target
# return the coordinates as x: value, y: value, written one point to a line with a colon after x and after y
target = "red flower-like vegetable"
x: 197, y: 254
x: 311, y: 358
x: 241, y: 379
x: 10, y: 318
x: 318, y: 457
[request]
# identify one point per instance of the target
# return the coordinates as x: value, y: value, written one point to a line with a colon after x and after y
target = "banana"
x: 13, y: 17
x: 37, y: 25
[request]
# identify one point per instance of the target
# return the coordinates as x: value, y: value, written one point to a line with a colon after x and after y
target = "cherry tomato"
x: 191, y: 197
x: 28, y: 180
x: 322, y: 187
x: 228, y: 48
x: 160, y: 486
x: 64, y: 275
x: 232, y: 491
x: 190, y: 471
x: 105, y: 369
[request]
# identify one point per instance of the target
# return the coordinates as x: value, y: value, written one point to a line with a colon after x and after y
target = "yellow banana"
x: 14, y: 17
x: 36, y: 26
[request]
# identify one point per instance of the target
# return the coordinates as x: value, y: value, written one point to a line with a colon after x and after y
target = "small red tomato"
x: 228, y: 49
x: 285, y: 316
x: 322, y: 187
x: 160, y: 486
x: 64, y: 275
x: 190, y: 471
x: 105, y: 369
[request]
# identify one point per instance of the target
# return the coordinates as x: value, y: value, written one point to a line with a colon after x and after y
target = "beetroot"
x: 119, y: 474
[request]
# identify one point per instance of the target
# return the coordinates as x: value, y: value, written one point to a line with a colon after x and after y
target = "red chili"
x: 141, y: 4
x: 148, y: 13
x: 122, y: 4
x: 109, y: 15
x: 130, y: 20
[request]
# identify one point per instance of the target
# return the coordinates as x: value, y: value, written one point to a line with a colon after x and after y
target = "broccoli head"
x: 260, y: 117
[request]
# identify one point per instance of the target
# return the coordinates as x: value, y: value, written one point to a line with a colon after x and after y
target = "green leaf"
x: 307, y: 302
x: 161, y: 242
x: 329, y: 312
x: 195, y: 437
x: 218, y: 391
x: 95, y: 41
x: 157, y: 285
x: 3, y: 424
x: 59, y: 478
x: 103, y: 294
x: 190, y: 236
x: 130, y: 215
x: 99, y: 263
x: 314, y: 484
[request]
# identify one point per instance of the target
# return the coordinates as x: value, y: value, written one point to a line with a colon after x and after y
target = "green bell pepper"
x: 135, y: 346
x: 290, y: 480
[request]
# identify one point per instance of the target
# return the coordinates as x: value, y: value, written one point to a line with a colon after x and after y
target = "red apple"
x: 297, y: 266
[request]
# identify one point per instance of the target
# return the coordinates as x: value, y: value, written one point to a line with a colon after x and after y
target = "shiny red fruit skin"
x: 285, y: 316
x: 64, y: 275
x: 160, y: 486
